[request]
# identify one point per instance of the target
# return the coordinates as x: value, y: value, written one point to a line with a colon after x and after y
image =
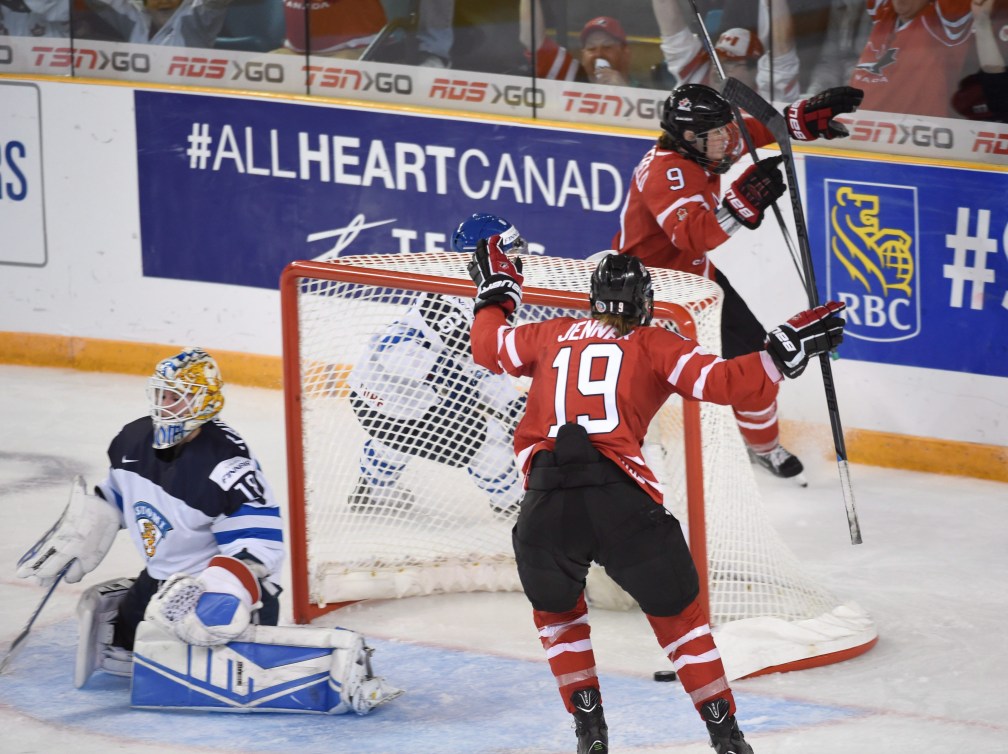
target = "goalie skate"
x: 780, y: 462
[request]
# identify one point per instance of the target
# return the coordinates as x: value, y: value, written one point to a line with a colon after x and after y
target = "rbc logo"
x: 872, y: 259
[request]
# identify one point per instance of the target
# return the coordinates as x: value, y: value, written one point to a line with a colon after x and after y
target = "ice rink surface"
x: 931, y: 572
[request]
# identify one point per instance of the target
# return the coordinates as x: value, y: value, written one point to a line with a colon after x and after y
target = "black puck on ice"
x: 664, y: 675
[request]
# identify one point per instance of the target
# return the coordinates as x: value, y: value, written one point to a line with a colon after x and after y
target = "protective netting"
x: 439, y: 520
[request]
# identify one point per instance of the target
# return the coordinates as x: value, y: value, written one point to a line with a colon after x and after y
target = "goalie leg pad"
x: 96, y: 618
x: 267, y: 669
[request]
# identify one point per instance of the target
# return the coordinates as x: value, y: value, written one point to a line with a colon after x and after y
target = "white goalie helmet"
x: 184, y: 393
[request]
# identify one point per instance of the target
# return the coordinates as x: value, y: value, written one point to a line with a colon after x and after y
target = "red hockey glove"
x: 805, y: 335
x: 810, y: 119
x: 756, y: 189
x: 498, y: 279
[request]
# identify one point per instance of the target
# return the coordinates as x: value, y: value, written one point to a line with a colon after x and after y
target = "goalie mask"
x: 481, y: 225
x: 621, y: 285
x: 183, y: 393
x: 702, y: 127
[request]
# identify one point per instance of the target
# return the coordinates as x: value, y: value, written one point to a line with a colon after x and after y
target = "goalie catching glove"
x: 210, y: 609
x: 756, y: 189
x: 498, y: 279
x: 81, y: 537
x: 812, y: 118
x: 810, y: 333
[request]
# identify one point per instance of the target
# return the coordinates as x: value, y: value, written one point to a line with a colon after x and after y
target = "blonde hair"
x: 618, y: 322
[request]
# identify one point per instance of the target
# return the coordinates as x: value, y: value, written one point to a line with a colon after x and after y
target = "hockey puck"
x: 665, y: 675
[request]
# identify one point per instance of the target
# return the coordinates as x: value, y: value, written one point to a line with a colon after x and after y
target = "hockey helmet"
x: 184, y: 393
x: 621, y: 285
x: 481, y: 225
x: 692, y: 114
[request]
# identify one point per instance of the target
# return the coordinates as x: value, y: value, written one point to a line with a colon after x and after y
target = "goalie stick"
x: 750, y: 148
x: 31, y: 621
x: 745, y: 98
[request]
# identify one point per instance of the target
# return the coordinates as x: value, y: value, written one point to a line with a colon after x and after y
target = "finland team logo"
x: 872, y: 241
x: 152, y: 525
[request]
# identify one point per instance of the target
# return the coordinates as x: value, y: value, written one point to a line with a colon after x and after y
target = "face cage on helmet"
x: 733, y: 148
x: 176, y: 419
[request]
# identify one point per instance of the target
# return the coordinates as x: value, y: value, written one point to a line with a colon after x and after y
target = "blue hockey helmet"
x: 482, y: 225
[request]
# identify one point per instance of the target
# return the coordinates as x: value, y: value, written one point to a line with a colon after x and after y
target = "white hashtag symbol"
x: 199, y: 145
x: 960, y: 271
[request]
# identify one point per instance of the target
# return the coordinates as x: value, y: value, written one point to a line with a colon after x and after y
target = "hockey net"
x: 759, y: 598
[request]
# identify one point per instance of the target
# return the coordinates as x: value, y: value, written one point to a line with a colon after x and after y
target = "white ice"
x: 931, y: 573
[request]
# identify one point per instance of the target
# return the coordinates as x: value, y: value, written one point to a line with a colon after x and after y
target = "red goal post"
x: 330, y: 310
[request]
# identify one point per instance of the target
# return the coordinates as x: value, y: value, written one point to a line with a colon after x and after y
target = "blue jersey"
x: 185, y: 504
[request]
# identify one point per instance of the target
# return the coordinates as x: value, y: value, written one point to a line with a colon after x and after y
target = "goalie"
x: 201, y: 513
x: 418, y: 394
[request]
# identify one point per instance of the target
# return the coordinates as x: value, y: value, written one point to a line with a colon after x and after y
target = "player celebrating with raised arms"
x: 673, y: 216
x: 202, y: 515
x: 597, y: 382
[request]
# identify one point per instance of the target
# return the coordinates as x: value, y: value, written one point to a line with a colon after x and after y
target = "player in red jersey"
x: 914, y: 55
x: 596, y: 384
x: 673, y: 215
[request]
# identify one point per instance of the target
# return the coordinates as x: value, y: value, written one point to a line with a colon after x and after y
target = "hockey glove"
x: 82, y: 536
x: 498, y: 279
x: 805, y: 335
x: 757, y: 188
x: 810, y: 119
x: 210, y: 609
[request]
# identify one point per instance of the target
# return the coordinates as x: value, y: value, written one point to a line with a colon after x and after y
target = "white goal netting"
x: 440, y: 521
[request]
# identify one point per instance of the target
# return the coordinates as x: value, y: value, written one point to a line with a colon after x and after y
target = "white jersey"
x: 422, y: 361
x: 35, y: 18
x: 195, y: 23
x: 185, y: 504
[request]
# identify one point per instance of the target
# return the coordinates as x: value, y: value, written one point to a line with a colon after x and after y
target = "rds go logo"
x: 873, y: 261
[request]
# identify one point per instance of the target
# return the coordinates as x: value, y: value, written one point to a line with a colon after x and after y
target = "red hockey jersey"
x: 583, y: 371
x: 914, y: 67
x: 669, y: 217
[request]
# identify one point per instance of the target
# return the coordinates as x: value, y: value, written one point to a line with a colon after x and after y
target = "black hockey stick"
x: 742, y: 96
x: 716, y: 62
x: 31, y: 621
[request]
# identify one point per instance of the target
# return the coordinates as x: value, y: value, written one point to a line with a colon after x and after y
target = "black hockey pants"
x: 581, y: 507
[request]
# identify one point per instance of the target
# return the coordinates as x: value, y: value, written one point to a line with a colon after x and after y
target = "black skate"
x: 780, y: 462
x: 589, y: 722
x: 725, y: 736
x: 391, y: 499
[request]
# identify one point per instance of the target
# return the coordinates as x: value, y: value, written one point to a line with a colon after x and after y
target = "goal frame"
x: 304, y: 611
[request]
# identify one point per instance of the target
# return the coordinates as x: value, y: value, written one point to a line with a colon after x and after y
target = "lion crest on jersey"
x: 153, y: 527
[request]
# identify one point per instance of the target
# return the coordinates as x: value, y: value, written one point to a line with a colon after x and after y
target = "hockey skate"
x: 390, y: 499
x: 725, y: 736
x: 589, y: 722
x: 781, y: 463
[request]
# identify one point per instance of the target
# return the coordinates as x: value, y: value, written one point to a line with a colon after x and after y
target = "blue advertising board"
x: 232, y: 189
x: 919, y: 253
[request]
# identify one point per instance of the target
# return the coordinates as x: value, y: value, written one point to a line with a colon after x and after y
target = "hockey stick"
x: 742, y: 96
x: 31, y: 621
x: 750, y: 148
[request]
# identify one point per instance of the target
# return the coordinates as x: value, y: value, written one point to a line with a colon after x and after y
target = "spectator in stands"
x: 914, y: 55
x: 741, y: 51
x: 34, y: 18
x: 605, y: 55
x: 338, y: 28
x: 983, y: 94
x: 846, y: 35
x: 435, y: 33
x: 189, y: 23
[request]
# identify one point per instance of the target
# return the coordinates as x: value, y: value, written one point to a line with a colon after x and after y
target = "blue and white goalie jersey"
x: 421, y: 363
x: 185, y: 504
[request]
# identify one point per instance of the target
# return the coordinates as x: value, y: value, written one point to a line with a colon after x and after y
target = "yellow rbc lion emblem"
x: 873, y: 255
